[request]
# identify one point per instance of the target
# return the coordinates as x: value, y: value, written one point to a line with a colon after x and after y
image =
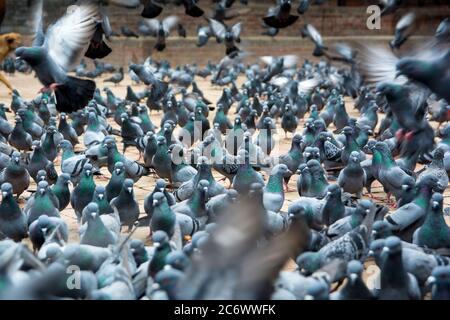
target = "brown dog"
x: 8, y: 43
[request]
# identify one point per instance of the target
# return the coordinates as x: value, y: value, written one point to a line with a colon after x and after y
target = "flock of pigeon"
x: 210, y: 241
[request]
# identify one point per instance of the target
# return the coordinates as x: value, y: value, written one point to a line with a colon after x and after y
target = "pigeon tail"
x: 74, y: 94
x: 194, y: 11
x: 98, y: 51
x: 151, y: 10
x: 275, y: 22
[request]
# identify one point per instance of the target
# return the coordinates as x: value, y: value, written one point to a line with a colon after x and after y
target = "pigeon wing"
x: 218, y: 29
x: 68, y: 38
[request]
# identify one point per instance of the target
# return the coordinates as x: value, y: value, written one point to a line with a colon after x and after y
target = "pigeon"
x: 162, y: 218
x: 52, y: 55
x: 226, y: 34
x: 160, y: 186
x: 161, y: 161
x: 115, y: 184
x: 311, y: 32
x: 42, y: 204
x: 38, y: 162
x: 82, y: 194
x: 437, y: 169
x: 203, y: 35
x: 127, y: 32
x: 94, y: 132
x: 333, y: 208
x: 280, y: 16
x: 158, y: 87
x: 403, y: 29
x: 180, y: 171
x: 439, y: 283
x: 406, y: 219
x: 246, y: 175
x: 61, y: 190
x: 289, y: 121
x: 71, y: 163
x: 195, y: 207
x: 116, y: 78
x: 19, y: 138
x: 96, y: 233
x: 16, y: 174
x: 133, y: 170
x: 390, y: 6
x: 44, y: 226
x: 434, y: 232
x: 161, y: 30
x: 126, y: 206
x: 396, y: 283
x: 352, y: 178
x: 355, y: 288
x: 13, y: 222
x: 273, y: 197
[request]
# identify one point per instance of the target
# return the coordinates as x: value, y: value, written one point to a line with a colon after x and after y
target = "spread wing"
x: 169, y: 23
x: 35, y: 8
x: 236, y: 30
x: 314, y: 34
x: 153, y: 25
x: 67, y: 39
x: 218, y: 29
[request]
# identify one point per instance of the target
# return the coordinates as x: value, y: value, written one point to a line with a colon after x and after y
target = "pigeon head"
x: 99, y: 192
x: 160, y: 238
x: 440, y: 277
x: 128, y: 186
x: 237, y: 120
x: 392, y: 245
x: 41, y: 175
x: 92, y: 211
x: 347, y: 131
x: 366, y: 206
x: 302, y: 168
x: 118, y: 167
x: 381, y: 230
x: 429, y: 182
x: 124, y: 116
x: 15, y: 157
x: 7, y: 189
x: 160, y: 185
x: 31, y: 55
x: 42, y: 187
x: 158, y: 199
x: 65, y: 145
x: 296, y: 211
x: 65, y: 178
x: 308, y: 263
x: 314, y: 165
x: 354, y: 270
x: 376, y: 249
x: 317, y: 290
x: 161, y: 141
x: 408, y: 183
x: 281, y: 169
x: 43, y: 222
x: 439, y: 154
x: 334, y: 191
x: 354, y: 157
x: 297, y: 139
x: 436, y: 203
x: 177, y: 260
x: 389, y: 89
x: 203, y: 186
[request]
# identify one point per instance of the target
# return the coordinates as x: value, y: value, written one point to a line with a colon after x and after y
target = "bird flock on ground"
x: 232, y: 240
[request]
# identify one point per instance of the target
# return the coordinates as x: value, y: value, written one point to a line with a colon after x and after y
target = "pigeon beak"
x: 130, y: 190
x: 94, y: 214
x: 371, y: 253
x: 155, y: 202
x: 353, y: 277
x: 117, y: 171
x: 374, y: 233
x: 41, y: 191
x: 100, y: 196
x: 88, y: 172
x: 4, y: 194
x: 386, y: 249
x: 44, y: 230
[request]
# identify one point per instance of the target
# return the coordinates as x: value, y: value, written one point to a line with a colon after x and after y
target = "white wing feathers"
x: 169, y: 23
x: 236, y: 30
x: 68, y: 38
x: 218, y: 29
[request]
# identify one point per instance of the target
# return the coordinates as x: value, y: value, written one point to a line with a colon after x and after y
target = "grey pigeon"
x: 126, y: 205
